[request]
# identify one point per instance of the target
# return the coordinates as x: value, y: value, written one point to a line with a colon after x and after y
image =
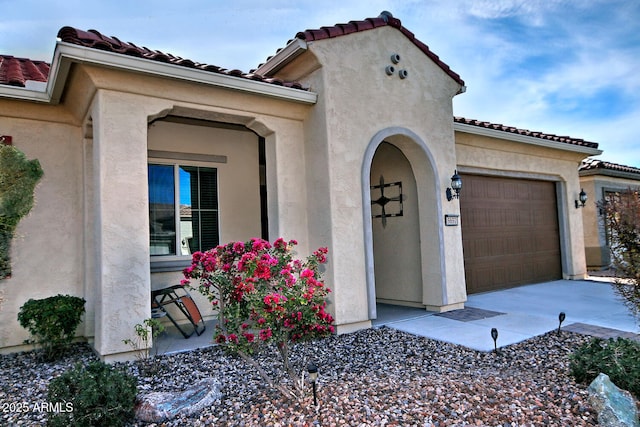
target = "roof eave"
x: 611, y: 173
x: 66, y: 54
x: 283, y: 57
x: 492, y: 133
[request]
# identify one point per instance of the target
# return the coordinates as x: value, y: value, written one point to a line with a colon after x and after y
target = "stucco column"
x: 287, y: 198
x: 574, y: 262
x: 121, y: 224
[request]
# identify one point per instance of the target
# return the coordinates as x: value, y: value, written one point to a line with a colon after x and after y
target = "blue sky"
x: 567, y: 67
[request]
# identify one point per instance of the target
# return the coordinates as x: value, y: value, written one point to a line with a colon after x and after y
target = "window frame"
x: 176, y: 262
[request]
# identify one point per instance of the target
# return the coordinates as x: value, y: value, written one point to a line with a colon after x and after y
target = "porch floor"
x: 171, y: 340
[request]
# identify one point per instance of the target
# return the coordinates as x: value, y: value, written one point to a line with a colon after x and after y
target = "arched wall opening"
x: 429, y: 228
x: 396, y: 245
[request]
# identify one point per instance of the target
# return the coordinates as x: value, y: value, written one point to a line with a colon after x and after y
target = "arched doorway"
x: 395, y: 221
x: 411, y: 160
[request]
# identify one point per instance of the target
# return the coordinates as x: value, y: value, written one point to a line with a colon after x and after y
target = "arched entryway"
x: 396, y: 244
x: 406, y: 253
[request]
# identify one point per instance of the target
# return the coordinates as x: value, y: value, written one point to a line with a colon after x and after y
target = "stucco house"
x: 345, y: 138
x: 599, y: 179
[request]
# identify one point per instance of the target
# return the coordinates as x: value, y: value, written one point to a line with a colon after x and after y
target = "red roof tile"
x: 93, y: 39
x: 385, y: 19
x: 525, y: 132
x: 595, y: 164
x: 16, y: 71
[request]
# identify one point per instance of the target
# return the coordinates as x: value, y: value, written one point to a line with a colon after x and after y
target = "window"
x: 183, y: 209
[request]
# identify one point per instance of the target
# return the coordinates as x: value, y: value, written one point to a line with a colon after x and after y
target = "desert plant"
x: 18, y: 178
x: 97, y: 395
x: 621, y: 216
x: 52, y: 322
x: 619, y: 359
x: 266, y: 300
x: 150, y: 329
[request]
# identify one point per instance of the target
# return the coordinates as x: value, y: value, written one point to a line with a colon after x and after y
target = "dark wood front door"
x: 510, y: 232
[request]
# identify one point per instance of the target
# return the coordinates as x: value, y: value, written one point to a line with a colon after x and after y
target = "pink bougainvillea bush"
x: 266, y: 299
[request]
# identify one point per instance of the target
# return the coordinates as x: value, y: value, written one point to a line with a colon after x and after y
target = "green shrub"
x: 52, y: 322
x: 619, y: 359
x: 100, y: 395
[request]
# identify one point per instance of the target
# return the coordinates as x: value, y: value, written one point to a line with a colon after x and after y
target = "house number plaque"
x: 451, y: 220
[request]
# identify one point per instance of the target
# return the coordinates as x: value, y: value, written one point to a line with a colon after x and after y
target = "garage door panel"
x: 546, y: 246
x: 510, y: 232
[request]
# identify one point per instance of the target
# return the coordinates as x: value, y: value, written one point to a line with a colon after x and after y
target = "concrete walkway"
x: 591, y: 307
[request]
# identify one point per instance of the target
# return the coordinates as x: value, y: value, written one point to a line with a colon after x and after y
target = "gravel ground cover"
x: 372, y: 377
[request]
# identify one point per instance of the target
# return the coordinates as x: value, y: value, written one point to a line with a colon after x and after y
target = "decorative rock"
x: 615, y: 407
x: 162, y: 406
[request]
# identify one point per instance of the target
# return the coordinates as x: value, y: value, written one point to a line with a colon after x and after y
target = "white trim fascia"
x: 17, y: 92
x: 493, y: 133
x: 66, y: 54
x: 282, y: 57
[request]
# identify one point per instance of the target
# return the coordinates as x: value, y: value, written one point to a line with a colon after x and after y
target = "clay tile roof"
x: 93, y: 39
x: 385, y: 19
x: 525, y: 132
x: 16, y: 71
x: 595, y: 164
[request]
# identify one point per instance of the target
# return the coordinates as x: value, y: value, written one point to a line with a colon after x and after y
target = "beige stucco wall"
x: 595, y: 240
x: 359, y: 106
x: 484, y: 155
x: 47, y: 242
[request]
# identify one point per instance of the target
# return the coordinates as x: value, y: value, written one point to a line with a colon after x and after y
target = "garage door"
x: 510, y: 232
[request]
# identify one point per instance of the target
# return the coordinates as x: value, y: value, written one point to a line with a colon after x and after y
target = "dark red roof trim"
x: 525, y: 132
x: 385, y: 19
x: 16, y: 71
x: 595, y: 164
x: 93, y: 39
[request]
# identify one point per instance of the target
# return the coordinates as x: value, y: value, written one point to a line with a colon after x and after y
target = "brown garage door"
x: 509, y: 232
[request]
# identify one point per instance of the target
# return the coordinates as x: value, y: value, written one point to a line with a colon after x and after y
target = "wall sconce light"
x: 453, y: 192
x: 582, y: 199
x: 313, y: 376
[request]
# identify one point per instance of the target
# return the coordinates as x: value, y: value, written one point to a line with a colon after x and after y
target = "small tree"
x: 18, y: 178
x: 266, y: 299
x: 145, y: 332
x: 621, y: 216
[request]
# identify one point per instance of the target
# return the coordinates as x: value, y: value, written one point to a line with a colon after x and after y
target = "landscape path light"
x: 494, y: 335
x: 313, y: 376
x: 561, y: 318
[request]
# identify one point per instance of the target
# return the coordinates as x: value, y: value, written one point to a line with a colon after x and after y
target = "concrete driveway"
x: 590, y: 306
